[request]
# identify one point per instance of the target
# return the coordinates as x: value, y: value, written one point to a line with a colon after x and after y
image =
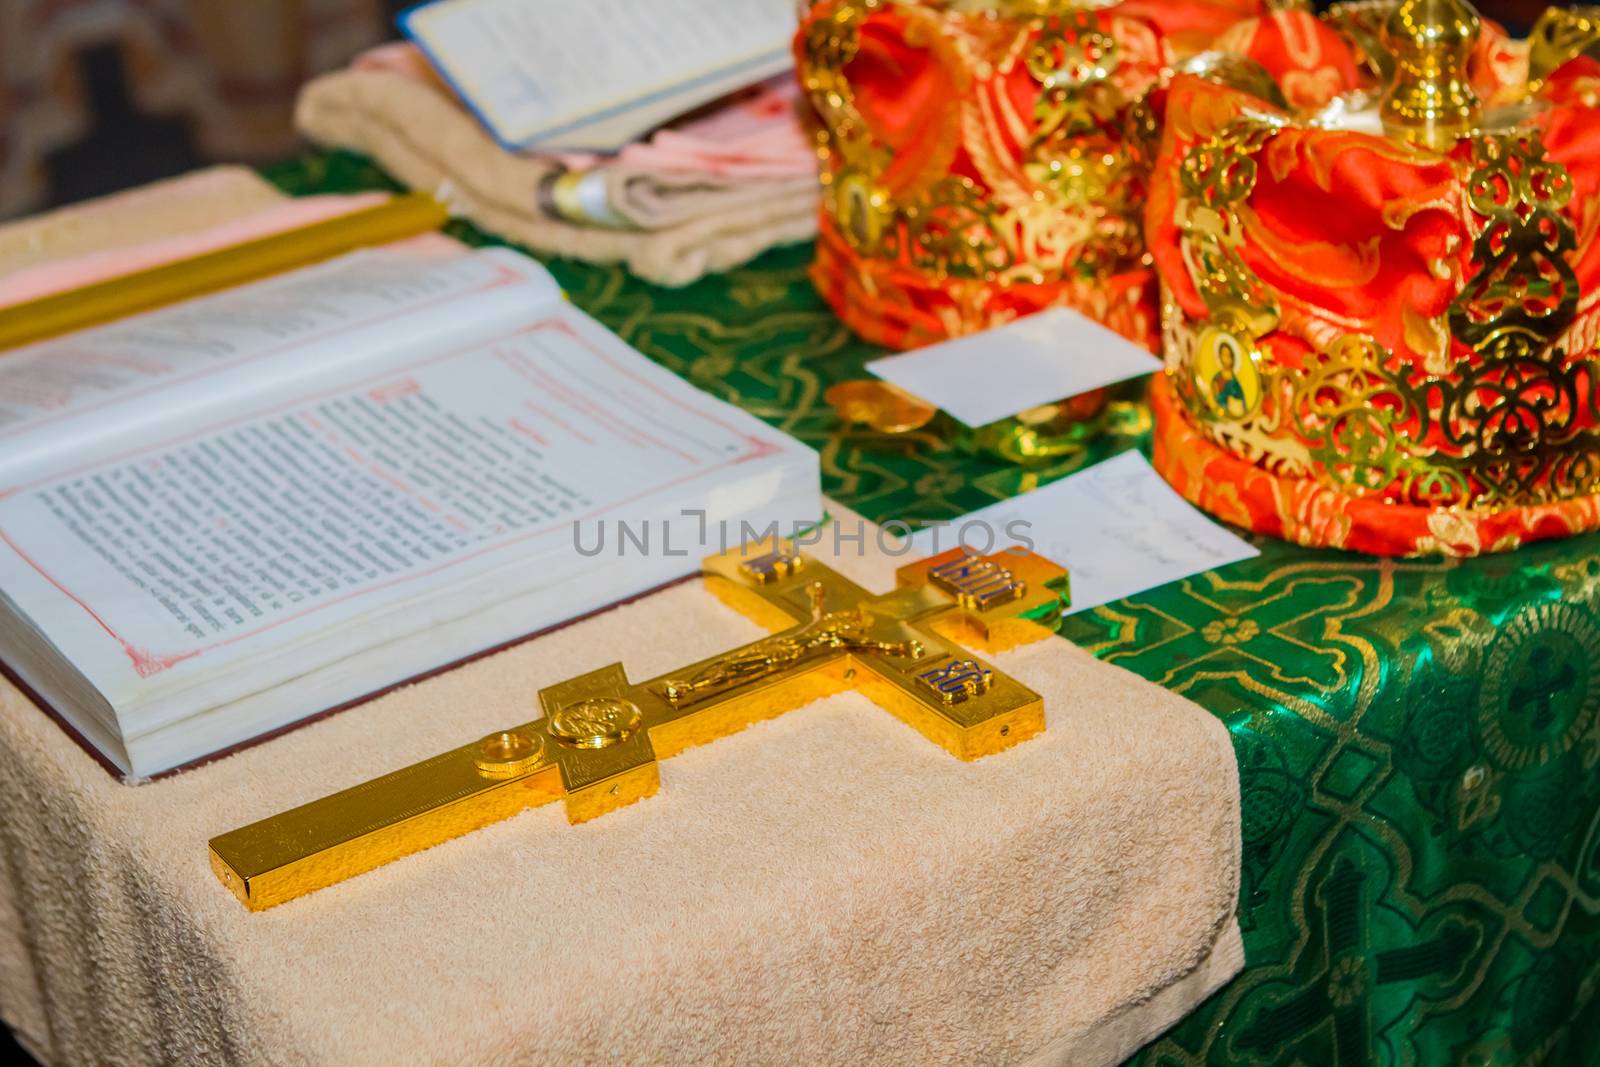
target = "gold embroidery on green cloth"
x: 1418, y: 746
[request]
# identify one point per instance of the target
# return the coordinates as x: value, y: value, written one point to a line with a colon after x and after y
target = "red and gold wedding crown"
x: 1379, y: 290
x: 975, y: 157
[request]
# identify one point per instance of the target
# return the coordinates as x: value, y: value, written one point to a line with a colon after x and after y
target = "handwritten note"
x: 1035, y: 360
x: 1117, y: 528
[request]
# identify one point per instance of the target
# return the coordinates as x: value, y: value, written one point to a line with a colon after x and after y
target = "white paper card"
x: 1036, y: 360
x: 1117, y: 528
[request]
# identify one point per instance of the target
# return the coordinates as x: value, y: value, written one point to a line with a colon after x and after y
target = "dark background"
x: 126, y: 148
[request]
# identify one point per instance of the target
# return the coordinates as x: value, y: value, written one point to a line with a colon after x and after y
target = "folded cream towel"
x: 669, y: 228
x: 824, y: 887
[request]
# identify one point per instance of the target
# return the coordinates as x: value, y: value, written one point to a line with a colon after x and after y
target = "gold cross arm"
x: 601, y: 737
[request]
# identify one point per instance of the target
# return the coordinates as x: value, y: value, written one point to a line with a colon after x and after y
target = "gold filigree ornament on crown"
x: 1380, y: 308
x: 977, y: 158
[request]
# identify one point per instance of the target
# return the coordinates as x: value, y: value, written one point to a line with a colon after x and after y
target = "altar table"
x: 1418, y: 741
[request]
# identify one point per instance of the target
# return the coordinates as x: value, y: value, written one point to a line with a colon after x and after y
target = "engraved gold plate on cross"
x: 600, y: 740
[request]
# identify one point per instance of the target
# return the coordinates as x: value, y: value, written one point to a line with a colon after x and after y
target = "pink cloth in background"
x: 754, y: 133
x: 75, y: 272
x: 398, y: 57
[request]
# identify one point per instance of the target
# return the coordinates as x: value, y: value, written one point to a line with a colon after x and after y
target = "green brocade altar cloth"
x: 1418, y: 741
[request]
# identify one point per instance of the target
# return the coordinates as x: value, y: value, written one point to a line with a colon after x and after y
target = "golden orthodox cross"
x: 601, y: 737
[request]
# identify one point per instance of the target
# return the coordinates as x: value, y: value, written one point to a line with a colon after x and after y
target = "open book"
x: 230, y: 514
x: 595, y: 75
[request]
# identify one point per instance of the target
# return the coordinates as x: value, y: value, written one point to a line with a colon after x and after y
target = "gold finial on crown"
x: 1430, y: 101
x: 1560, y: 35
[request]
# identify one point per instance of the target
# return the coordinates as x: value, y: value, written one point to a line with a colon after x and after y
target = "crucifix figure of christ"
x: 601, y: 737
